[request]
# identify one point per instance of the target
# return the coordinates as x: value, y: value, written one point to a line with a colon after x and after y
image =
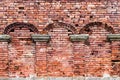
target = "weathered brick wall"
x: 59, y: 57
x: 21, y: 51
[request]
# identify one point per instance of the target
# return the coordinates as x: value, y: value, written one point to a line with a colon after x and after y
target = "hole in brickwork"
x: 91, y: 16
x: 21, y: 27
x: 115, y: 60
x: 21, y: 8
x: 12, y: 30
x: 38, y: 3
x: 21, y: 73
x: 94, y: 53
x: 68, y: 16
x: 69, y: 30
x: 31, y: 30
x: 101, y: 45
x: 76, y: 25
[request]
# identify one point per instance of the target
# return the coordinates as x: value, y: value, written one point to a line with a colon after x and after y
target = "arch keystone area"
x: 86, y: 28
x: 57, y: 24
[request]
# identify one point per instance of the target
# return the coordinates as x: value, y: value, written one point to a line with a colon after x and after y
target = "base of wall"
x: 64, y: 78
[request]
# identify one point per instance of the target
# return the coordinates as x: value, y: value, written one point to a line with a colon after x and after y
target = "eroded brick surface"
x: 21, y: 52
x: 95, y: 57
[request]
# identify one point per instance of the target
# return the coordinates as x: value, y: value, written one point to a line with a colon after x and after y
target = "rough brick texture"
x: 59, y: 57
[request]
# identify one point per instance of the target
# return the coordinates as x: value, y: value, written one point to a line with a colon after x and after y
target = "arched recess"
x: 87, y: 28
x: 59, y: 49
x: 11, y: 27
x: 21, y: 49
x: 57, y: 24
x: 97, y: 53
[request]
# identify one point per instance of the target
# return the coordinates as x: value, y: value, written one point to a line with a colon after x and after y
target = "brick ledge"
x: 4, y: 38
x: 79, y: 37
x: 113, y: 37
x: 40, y: 37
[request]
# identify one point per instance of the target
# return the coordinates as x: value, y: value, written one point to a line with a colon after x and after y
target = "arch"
x: 57, y: 24
x: 87, y: 29
x: 11, y: 27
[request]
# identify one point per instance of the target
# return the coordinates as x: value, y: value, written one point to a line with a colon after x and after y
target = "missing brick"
x: 76, y: 25
x: 69, y: 30
x: 21, y: 73
x: 21, y: 8
x: 100, y: 45
x: 115, y: 60
x: 91, y: 16
x: 38, y: 3
x: 31, y: 30
x: 12, y: 30
x: 94, y: 53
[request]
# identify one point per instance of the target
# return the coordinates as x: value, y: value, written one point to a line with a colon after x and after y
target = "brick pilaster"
x: 41, y: 53
x: 79, y: 53
x: 4, y: 63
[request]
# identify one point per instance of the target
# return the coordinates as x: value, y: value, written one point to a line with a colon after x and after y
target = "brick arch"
x: 57, y: 24
x: 12, y: 26
x: 86, y: 28
x: 97, y: 47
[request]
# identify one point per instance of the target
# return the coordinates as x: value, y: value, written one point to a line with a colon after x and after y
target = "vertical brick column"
x: 41, y: 53
x: 4, y: 63
x: 115, y: 56
x: 79, y: 50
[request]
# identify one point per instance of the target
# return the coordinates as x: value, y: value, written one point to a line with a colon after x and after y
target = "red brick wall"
x: 59, y: 57
x: 21, y: 52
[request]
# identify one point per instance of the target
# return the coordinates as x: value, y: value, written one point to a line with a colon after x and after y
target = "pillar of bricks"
x: 41, y: 53
x: 4, y: 63
x: 79, y: 50
x: 115, y: 56
x: 115, y: 60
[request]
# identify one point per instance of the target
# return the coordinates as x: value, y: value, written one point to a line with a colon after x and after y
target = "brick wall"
x: 60, y: 57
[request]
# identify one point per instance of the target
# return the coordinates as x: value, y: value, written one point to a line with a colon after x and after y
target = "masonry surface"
x: 59, y: 40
